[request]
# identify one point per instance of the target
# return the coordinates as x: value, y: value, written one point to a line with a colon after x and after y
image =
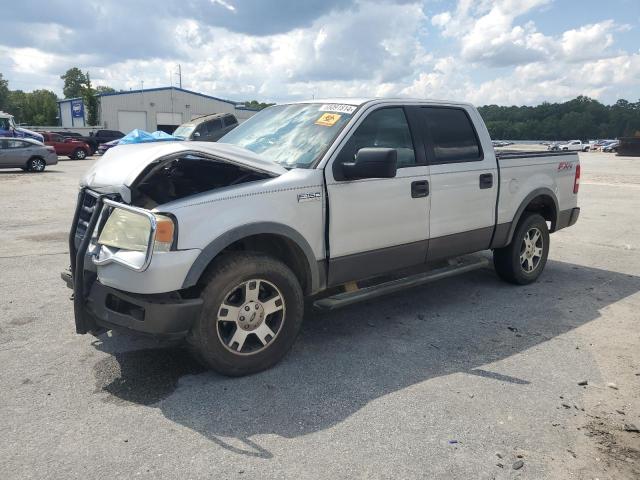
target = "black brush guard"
x: 84, y: 322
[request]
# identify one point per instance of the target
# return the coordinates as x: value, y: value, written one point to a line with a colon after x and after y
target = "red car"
x: 66, y: 146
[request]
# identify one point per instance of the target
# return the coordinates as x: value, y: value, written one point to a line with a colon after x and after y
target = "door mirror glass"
x: 196, y: 134
x: 372, y: 163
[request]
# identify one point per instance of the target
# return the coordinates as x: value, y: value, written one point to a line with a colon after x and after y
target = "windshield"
x: 291, y: 135
x: 183, y: 131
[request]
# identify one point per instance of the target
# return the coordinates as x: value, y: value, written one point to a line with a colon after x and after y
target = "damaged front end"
x: 135, y: 182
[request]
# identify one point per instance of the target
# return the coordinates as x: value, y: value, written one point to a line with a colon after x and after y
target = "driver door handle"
x: 419, y: 189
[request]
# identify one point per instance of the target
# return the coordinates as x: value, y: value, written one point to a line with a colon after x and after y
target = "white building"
x: 151, y: 109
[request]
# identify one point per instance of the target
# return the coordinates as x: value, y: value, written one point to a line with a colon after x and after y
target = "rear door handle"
x: 419, y: 189
x: 486, y: 180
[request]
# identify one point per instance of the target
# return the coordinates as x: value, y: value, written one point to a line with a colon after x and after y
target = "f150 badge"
x: 307, y: 197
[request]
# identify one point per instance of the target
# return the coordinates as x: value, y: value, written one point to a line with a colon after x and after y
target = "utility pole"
x: 180, y: 75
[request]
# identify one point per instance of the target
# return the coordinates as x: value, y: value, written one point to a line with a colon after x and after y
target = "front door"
x: 378, y: 225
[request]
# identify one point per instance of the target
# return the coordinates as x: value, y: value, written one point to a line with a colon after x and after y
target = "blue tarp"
x: 140, y: 136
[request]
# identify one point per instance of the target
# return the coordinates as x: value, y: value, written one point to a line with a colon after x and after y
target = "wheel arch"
x: 542, y: 201
x: 278, y: 240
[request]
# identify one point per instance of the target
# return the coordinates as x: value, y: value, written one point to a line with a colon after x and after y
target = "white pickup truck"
x: 571, y: 146
x: 334, y: 201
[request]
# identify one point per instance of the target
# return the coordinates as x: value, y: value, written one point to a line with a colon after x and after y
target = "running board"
x: 347, y: 298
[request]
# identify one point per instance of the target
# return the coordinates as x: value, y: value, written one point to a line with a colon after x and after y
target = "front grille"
x: 88, y: 205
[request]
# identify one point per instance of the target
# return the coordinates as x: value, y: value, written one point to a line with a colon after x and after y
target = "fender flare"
x: 543, y: 191
x: 223, y: 241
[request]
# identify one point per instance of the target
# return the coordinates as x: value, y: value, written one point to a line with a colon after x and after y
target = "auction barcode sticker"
x: 338, y: 108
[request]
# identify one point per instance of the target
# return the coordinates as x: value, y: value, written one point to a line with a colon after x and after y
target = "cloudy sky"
x: 483, y: 51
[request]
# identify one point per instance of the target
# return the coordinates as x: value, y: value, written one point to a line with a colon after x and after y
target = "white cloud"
x: 481, y: 51
x: 588, y: 41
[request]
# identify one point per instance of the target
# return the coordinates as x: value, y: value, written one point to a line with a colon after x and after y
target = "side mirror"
x: 372, y: 163
x: 196, y: 134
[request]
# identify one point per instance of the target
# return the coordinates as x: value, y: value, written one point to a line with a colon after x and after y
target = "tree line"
x: 581, y: 118
x: 40, y: 107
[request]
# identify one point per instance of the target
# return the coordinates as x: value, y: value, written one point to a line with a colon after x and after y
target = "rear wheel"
x: 523, y: 260
x: 252, y: 313
x: 79, y: 154
x: 36, y: 164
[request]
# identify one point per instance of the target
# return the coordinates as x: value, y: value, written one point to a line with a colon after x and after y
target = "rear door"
x: 377, y: 225
x: 4, y: 157
x: 464, y: 181
x: 58, y: 142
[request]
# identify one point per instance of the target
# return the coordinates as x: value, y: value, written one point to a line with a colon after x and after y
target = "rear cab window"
x: 451, y: 136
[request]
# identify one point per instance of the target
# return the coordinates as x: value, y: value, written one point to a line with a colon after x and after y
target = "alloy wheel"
x: 37, y: 165
x: 250, y: 317
x: 531, y: 250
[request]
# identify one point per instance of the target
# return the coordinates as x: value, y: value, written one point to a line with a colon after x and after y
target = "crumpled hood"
x: 122, y: 164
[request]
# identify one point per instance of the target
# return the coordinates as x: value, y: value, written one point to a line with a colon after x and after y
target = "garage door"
x: 168, y: 118
x: 128, y: 121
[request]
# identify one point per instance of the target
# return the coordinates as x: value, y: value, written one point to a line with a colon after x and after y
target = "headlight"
x: 128, y: 230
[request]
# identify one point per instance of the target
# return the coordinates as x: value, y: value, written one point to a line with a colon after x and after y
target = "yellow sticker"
x: 328, y: 119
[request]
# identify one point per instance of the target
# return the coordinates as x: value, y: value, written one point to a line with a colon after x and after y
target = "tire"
x: 517, y: 262
x: 36, y: 164
x: 232, y: 342
x: 79, y: 154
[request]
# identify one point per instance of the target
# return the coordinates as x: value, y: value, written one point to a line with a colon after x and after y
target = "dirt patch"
x: 23, y: 320
x: 621, y: 449
x: 47, y: 237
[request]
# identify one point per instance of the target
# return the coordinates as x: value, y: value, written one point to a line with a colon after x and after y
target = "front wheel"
x: 523, y: 260
x: 252, y: 313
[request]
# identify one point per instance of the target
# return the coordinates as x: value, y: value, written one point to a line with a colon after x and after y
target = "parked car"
x: 220, y: 243
x: 611, y: 146
x: 106, y: 146
x: 66, y: 146
x: 208, y: 128
x: 26, y: 153
x: 8, y: 128
x: 100, y: 136
x: 571, y: 146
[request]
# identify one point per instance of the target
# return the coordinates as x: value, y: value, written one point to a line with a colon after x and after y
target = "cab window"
x: 384, y: 128
x: 453, y: 138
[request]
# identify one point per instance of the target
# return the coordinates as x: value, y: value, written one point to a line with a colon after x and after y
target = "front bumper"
x: 98, y: 306
x: 160, y: 315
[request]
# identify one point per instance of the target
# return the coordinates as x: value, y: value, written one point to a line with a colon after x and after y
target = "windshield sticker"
x: 328, y: 119
x: 338, y: 108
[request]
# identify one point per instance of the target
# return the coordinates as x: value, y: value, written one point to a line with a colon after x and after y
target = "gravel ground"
x: 464, y: 378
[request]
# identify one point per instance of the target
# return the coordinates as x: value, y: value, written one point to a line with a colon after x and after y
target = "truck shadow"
x: 348, y: 358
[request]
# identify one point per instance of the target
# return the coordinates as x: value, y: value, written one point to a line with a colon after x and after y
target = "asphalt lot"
x: 455, y: 379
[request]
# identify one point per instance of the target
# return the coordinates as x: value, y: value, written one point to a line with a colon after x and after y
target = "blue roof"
x: 235, y: 104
